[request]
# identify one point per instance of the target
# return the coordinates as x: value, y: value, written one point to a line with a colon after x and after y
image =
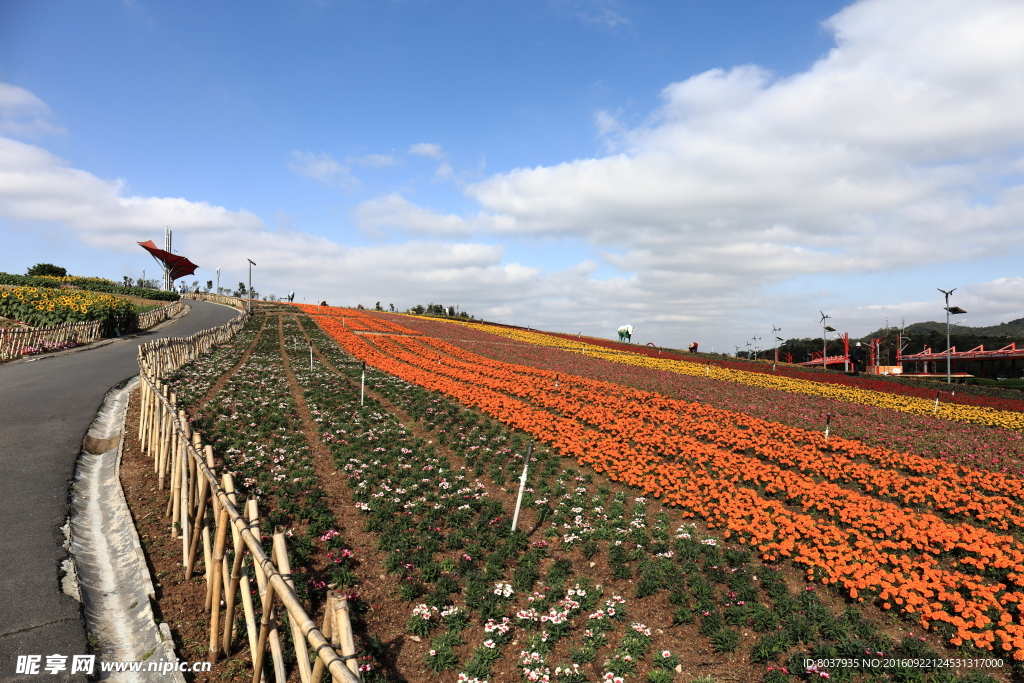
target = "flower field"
x: 93, y: 284
x: 968, y: 395
x: 977, y: 446
x: 42, y: 307
x: 977, y: 409
x: 660, y: 539
x: 955, y: 575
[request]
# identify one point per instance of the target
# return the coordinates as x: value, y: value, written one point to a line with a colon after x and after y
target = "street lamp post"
x: 218, y: 280
x: 248, y: 305
x: 950, y: 310
x: 824, y: 340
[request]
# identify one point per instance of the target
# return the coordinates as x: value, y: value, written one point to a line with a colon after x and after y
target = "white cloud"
x: 899, y: 147
x: 427, y: 149
x: 394, y: 212
x: 444, y: 172
x: 986, y: 303
x: 323, y: 168
x: 38, y: 187
x: 23, y: 114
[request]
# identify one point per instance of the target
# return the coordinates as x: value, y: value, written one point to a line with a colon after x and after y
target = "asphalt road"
x: 46, y: 407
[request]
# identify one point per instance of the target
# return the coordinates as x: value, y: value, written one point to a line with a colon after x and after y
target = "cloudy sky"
x: 701, y: 170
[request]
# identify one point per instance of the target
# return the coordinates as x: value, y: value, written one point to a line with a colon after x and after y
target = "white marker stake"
x: 310, y: 356
x: 362, y: 385
x: 522, y: 485
x: 828, y: 421
x: 936, y: 408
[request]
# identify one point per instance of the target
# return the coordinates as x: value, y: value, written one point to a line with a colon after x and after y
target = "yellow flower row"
x: 41, y: 306
x: 70, y: 279
x: 849, y: 394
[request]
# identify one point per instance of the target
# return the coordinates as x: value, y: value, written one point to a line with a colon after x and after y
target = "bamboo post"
x: 198, y: 528
x: 266, y: 623
x: 193, y: 474
x: 262, y: 584
x: 298, y: 637
x: 174, y: 500
x: 236, y: 574
x: 151, y: 407
x: 329, y: 633
x: 218, y: 556
x: 248, y: 610
x: 207, y: 547
x: 152, y: 429
x: 163, y: 441
x: 343, y: 626
x: 183, y: 483
x: 143, y: 405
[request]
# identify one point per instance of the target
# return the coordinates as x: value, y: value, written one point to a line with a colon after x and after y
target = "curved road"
x: 46, y: 407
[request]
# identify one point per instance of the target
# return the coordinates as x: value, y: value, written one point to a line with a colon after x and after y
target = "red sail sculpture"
x: 177, y: 265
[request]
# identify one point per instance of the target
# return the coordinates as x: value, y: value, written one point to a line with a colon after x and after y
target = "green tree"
x: 46, y: 269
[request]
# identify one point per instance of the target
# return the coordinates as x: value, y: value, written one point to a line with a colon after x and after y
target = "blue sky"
x: 698, y: 170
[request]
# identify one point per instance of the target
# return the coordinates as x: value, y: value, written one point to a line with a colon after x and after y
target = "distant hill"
x: 1014, y: 329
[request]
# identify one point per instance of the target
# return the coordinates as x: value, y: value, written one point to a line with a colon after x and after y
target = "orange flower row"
x: 671, y: 438
x: 863, y: 544
x: 987, y: 497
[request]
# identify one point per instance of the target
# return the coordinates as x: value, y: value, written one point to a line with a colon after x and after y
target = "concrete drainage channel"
x: 109, y: 572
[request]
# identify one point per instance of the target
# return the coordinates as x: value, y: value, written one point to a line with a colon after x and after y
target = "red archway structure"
x: 177, y: 266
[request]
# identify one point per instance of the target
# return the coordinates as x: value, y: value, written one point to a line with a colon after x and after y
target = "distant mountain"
x: 1014, y: 328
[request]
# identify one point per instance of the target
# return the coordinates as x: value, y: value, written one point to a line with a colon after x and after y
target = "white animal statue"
x: 626, y: 333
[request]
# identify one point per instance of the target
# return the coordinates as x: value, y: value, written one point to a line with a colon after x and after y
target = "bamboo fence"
x: 216, y: 298
x: 205, y: 511
x: 158, y: 315
x: 15, y: 342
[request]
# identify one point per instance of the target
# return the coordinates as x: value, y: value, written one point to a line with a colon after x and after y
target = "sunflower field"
x: 43, y: 307
x: 92, y: 284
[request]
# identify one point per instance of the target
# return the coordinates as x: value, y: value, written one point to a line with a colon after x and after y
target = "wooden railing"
x: 216, y: 298
x: 16, y: 342
x: 203, y: 507
x: 158, y: 315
